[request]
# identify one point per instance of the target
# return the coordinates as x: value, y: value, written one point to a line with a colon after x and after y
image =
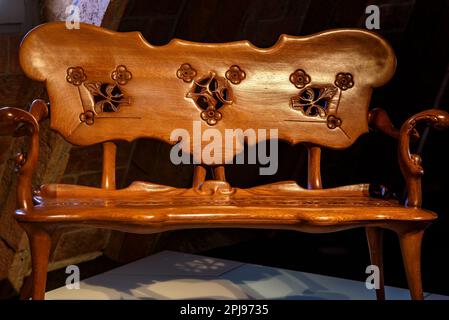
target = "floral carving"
x: 344, y: 81
x: 75, y: 76
x: 214, y: 187
x: 107, y: 97
x: 121, y: 75
x: 333, y: 122
x: 299, y: 78
x: 186, y: 73
x: 313, y: 101
x: 103, y: 96
x: 210, y: 94
x: 211, y: 116
x: 87, y: 117
x: 235, y: 74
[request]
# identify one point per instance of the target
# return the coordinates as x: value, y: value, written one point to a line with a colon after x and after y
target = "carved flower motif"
x: 235, y: 74
x: 211, y: 116
x: 121, y: 75
x: 344, y: 81
x: 333, y: 122
x: 107, y: 96
x: 75, y: 76
x: 299, y: 78
x: 87, y: 117
x: 313, y: 101
x: 186, y: 73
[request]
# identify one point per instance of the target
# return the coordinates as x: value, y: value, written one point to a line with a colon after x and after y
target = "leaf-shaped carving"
x: 313, y: 101
x: 328, y: 93
x: 108, y: 97
x: 93, y: 87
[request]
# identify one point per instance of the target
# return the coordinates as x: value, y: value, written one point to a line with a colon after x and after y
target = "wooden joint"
x: 39, y: 109
x: 200, y: 172
x: 378, y: 119
x: 109, y: 157
x: 219, y: 173
x: 215, y: 187
x: 199, y: 176
x: 314, y: 168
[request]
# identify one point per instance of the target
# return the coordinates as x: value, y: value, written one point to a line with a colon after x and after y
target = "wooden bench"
x: 105, y: 86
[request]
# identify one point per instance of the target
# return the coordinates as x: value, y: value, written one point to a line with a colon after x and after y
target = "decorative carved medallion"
x: 211, y: 93
x: 318, y: 103
x: 344, y: 81
x: 186, y: 73
x: 333, y: 122
x: 102, y: 97
x: 212, y: 188
x: 107, y: 96
x: 87, y: 117
x: 300, y: 78
x: 75, y: 76
x: 121, y: 75
x: 313, y: 101
x: 235, y: 74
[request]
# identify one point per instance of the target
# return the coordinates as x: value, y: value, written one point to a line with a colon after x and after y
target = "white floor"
x: 175, y: 275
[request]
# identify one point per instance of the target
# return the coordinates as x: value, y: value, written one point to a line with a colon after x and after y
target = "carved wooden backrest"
x: 105, y: 85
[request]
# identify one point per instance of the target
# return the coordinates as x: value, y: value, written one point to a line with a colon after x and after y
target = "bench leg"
x: 411, y: 254
x: 40, y: 245
x: 374, y: 236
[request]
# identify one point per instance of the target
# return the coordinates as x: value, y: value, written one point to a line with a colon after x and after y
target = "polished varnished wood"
x: 159, y: 79
x: 314, y: 90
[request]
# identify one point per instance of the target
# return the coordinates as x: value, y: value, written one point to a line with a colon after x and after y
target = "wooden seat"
x: 106, y: 86
x: 147, y: 207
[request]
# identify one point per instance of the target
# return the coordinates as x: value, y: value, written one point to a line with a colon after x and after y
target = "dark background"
x: 419, y: 34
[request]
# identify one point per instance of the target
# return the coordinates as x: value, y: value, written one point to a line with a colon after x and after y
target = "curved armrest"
x: 411, y: 163
x: 17, y: 122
